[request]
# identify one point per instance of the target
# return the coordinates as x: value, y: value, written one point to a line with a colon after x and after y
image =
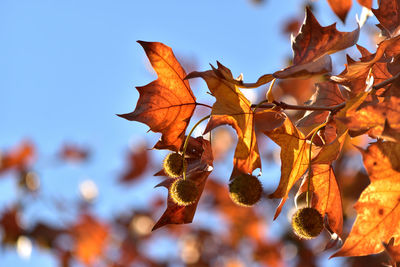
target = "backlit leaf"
x: 232, y: 108
x: 378, y: 208
x: 166, y: 104
x: 312, y: 45
x: 325, y: 194
x: 294, y: 157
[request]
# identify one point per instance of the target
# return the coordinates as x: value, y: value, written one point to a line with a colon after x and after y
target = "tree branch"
x: 386, y: 82
x: 284, y: 105
x: 332, y: 109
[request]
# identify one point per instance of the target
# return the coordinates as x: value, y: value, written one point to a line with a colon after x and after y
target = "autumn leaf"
x: 197, y: 172
x: 232, y: 108
x: 17, y: 158
x: 356, y: 83
x: 90, y: 239
x: 388, y: 14
x: 294, y: 157
x: 365, y: 3
x: 312, y: 46
x: 166, y: 104
x: 386, y: 49
x: 341, y: 8
x: 372, y: 117
x: 326, y: 95
x: 10, y: 224
x: 378, y: 208
x: 138, y: 161
x: 325, y: 194
x: 74, y: 153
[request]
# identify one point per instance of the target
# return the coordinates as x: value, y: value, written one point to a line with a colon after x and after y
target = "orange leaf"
x: 374, y: 117
x: 341, y: 8
x: 197, y: 172
x: 388, y: 14
x: 386, y: 49
x: 356, y: 83
x: 326, y: 195
x: 294, y: 157
x: 330, y: 151
x: 365, y: 3
x: 312, y: 45
x: 378, y: 208
x: 90, y: 238
x: 232, y: 108
x: 17, y: 158
x: 328, y: 95
x: 166, y: 104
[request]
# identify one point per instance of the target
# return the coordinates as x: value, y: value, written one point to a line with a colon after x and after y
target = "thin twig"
x: 332, y: 109
x: 386, y: 82
x: 204, y: 105
x: 284, y: 105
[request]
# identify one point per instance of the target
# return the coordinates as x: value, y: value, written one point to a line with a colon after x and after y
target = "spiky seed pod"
x: 184, y: 192
x: 173, y: 165
x: 307, y: 223
x: 245, y: 190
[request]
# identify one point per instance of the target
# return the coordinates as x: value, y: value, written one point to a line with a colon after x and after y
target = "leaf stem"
x: 308, y: 195
x: 204, y: 105
x: 386, y: 82
x: 187, y: 141
x: 283, y: 105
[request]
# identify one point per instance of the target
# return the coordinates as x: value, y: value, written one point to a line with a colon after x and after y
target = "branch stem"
x: 283, y: 105
x: 204, y: 105
x: 386, y: 82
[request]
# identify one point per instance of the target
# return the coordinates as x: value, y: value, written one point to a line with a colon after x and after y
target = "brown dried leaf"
x: 73, y: 153
x: 327, y: 95
x: 373, y: 116
x: 386, y: 49
x: 312, y: 45
x: 388, y: 14
x: 357, y: 83
x: 138, y: 161
x: 10, y: 225
x: 166, y: 104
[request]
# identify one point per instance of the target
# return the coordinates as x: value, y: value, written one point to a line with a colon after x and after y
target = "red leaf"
x: 388, y: 15
x: 138, y: 161
x: 74, y: 153
x: 166, y: 104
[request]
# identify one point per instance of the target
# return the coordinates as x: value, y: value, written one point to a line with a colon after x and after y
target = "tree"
x: 315, y: 156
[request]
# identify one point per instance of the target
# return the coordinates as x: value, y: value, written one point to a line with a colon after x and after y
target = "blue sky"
x: 67, y: 67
